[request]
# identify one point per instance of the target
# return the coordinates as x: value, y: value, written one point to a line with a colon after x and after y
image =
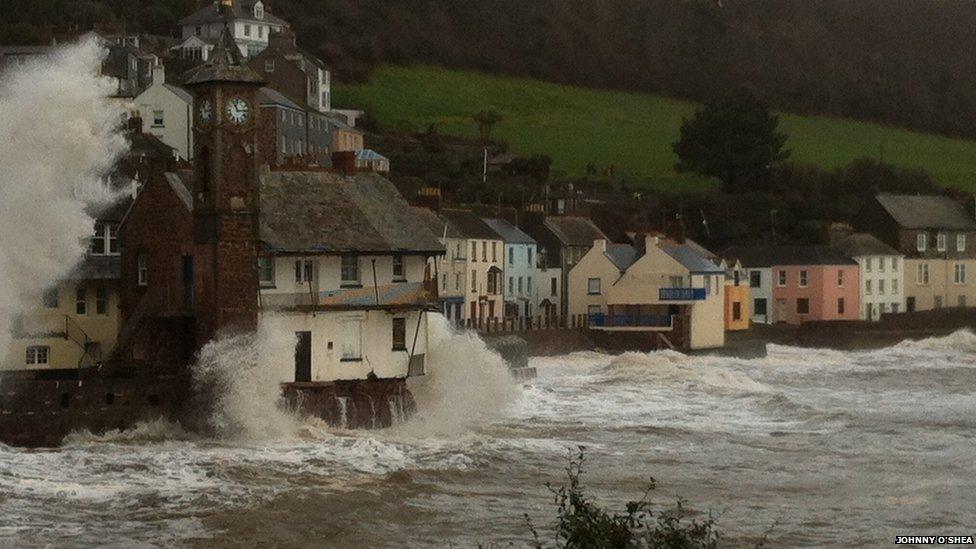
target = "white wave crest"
x: 671, y: 368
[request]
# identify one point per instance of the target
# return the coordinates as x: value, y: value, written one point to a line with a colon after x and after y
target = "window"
x: 269, y: 66
x: 266, y: 271
x: 736, y: 311
x: 484, y: 251
x: 593, y: 286
x: 511, y: 285
x: 921, y: 239
x: 894, y: 264
x: 101, y: 301
x: 881, y: 287
x: 247, y: 30
x: 528, y: 284
x: 676, y: 282
x: 474, y: 251
x: 868, y: 264
x: 350, y: 270
x: 520, y: 285
x: 803, y: 279
x: 284, y: 144
x: 457, y: 282
x: 940, y: 242
x: 38, y: 355
x: 840, y: 305
x: 51, y: 299
x: 755, y: 279
x: 351, y: 331
x: 881, y: 264
x: 444, y: 281
x: 259, y: 12
x: 553, y: 287
x: 867, y: 287
x: 802, y: 306
x: 398, y: 268
x: 494, y: 252
x: 284, y: 116
x: 959, y: 273
x: 142, y: 269
x: 922, y: 274
x: 759, y: 306
x: 399, y: 334
x: 260, y: 30
x: 782, y: 279
x: 106, y: 241
x: 960, y: 243
x: 474, y: 280
x: 840, y: 278
x: 511, y: 256
x: 457, y: 251
x: 528, y: 256
x: 894, y: 307
x: 81, y: 302
x: 894, y: 285
x: 304, y: 271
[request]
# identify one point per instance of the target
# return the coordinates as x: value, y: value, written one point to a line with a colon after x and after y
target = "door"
x: 910, y: 304
x: 474, y: 310
x: 780, y: 310
x: 491, y: 309
x: 303, y: 357
x: 188, y: 281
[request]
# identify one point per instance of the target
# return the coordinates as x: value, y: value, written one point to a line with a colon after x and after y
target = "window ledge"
x: 351, y: 359
x: 403, y: 349
x: 399, y: 280
x: 350, y: 285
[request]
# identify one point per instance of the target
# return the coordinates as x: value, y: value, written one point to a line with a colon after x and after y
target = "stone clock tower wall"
x: 226, y: 200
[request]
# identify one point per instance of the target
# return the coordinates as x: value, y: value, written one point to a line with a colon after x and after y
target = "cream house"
x: 166, y: 112
x: 484, y: 260
x: 882, y: 284
x: 77, y: 323
x: 662, y: 286
x: 249, y: 22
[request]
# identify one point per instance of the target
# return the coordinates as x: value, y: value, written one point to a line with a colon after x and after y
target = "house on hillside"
x: 796, y: 284
x: 484, y: 265
x: 290, y: 131
x: 521, y: 293
x: 344, y: 137
x: 882, y: 285
x: 294, y: 72
x: 372, y: 161
x: 167, y: 111
x: 449, y: 269
x: 562, y: 242
x: 249, y: 22
x: 736, y: 296
x: 938, y: 240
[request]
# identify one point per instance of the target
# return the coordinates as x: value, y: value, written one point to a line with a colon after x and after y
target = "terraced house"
x: 938, y: 240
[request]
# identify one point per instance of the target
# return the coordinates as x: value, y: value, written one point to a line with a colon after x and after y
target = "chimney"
x: 600, y: 244
x: 225, y: 7
x: 430, y: 198
x: 159, y: 73
x: 650, y: 241
x: 344, y: 162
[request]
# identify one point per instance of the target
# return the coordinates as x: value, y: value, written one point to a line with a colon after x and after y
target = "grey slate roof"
x: 622, y: 255
x: 180, y: 189
x: 859, y: 244
x: 469, y: 225
x: 180, y: 92
x: 926, y: 212
x: 692, y: 259
x: 574, y: 231
x: 769, y: 255
x: 268, y: 96
x: 98, y: 267
x: 241, y: 10
x: 224, y: 65
x: 436, y: 223
x: 509, y: 233
x: 324, y: 212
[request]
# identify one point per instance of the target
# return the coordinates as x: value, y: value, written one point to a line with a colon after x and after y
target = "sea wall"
x: 558, y: 341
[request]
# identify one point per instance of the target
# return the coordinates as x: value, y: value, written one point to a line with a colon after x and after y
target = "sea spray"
x: 466, y: 382
x: 242, y: 374
x: 61, y: 137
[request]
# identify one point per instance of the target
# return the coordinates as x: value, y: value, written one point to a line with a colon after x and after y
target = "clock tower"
x: 226, y: 199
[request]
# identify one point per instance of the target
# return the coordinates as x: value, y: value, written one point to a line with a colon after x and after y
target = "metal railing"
x: 631, y: 321
x: 682, y: 294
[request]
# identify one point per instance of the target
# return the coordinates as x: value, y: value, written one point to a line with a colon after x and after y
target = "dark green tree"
x: 733, y: 138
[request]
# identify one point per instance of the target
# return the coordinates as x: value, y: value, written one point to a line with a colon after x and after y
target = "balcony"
x: 682, y: 294
x: 631, y: 322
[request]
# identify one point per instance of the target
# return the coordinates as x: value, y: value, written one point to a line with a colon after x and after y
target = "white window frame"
x: 959, y: 274
x: 921, y: 241
x: 867, y: 287
x: 38, y: 355
x: 781, y: 278
x: 266, y: 265
x: 840, y: 278
x: 940, y: 242
x: 804, y: 279
x: 592, y: 283
x: 881, y: 286
x: 960, y: 243
x: 347, y: 263
x: 304, y: 271
x: 81, y: 301
x: 269, y: 65
x: 922, y: 274
x: 399, y: 268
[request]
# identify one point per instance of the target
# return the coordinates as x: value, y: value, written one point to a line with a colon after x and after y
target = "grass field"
x: 631, y: 131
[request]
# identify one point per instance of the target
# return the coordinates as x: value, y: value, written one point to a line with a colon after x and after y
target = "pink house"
x: 814, y: 283
x: 797, y: 284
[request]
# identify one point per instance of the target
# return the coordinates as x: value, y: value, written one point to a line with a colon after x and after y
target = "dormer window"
x: 259, y: 11
x: 921, y: 240
x: 940, y: 242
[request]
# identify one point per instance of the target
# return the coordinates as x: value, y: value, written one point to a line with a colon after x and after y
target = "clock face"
x: 237, y: 110
x: 206, y: 111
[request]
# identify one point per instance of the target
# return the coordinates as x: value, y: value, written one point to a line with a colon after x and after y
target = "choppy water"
x: 830, y: 448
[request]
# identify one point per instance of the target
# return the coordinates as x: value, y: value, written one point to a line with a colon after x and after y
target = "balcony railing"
x: 630, y: 321
x: 682, y: 294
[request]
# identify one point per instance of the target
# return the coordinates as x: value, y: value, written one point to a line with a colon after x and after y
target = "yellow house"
x: 736, y: 298
x: 75, y: 326
x: 671, y: 288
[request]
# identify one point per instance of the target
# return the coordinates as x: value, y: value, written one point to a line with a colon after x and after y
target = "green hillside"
x: 631, y: 131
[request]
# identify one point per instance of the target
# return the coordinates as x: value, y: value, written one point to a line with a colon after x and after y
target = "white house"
x: 248, y: 20
x: 484, y: 266
x: 521, y: 292
x: 882, y: 286
x: 167, y: 112
x: 450, y: 268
